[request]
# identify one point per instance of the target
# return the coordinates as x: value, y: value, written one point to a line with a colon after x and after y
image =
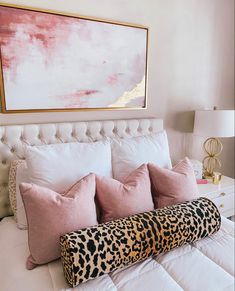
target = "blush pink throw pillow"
x: 51, y: 215
x: 119, y: 200
x: 173, y: 186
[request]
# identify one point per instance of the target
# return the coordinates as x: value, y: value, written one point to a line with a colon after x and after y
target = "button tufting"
x: 12, y: 150
x: 2, y: 139
x: 4, y: 162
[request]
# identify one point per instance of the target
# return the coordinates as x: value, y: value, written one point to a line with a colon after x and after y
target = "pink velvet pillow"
x: 119, y: 200
x: 51, y: 215
x: 173, y: 186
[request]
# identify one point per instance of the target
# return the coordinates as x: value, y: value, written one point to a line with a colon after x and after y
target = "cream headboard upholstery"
x: 13, y: 138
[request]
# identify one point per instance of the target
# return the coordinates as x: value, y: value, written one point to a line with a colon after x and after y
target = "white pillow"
x: 129, y: 154
x: 21, y: 176
x: 59, y: 166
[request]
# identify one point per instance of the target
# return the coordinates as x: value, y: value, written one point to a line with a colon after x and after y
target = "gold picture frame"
x: 116, y: 78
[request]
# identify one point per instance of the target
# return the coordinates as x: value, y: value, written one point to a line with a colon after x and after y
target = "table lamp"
x: 213, y: 124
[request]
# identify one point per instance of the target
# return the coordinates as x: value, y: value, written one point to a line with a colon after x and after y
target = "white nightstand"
x: 222, y: 195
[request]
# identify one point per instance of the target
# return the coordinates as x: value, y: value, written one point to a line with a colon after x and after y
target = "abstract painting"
x: 52, y: 61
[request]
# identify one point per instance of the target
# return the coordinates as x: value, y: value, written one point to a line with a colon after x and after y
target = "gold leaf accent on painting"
x: 129, y: 96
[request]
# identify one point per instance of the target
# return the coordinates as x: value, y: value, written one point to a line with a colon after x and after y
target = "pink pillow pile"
x: 118, y: 199
x: 51, y: 215
x: 173, y: 186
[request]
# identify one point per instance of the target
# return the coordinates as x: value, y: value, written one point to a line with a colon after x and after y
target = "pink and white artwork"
x: 56, y: 62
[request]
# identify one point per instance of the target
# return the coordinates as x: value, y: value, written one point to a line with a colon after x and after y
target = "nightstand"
x: 222, y: 195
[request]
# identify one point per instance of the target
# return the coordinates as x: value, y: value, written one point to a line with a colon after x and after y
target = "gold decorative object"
x: 216, y: 179
x: 213, y: 147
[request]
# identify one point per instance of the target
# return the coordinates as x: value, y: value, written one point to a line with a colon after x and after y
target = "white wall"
x: 191, y: 64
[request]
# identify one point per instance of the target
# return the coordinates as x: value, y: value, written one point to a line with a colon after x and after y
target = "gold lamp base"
x: 211, y: 163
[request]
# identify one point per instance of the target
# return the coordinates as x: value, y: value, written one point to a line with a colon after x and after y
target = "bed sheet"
x: 204, y: 265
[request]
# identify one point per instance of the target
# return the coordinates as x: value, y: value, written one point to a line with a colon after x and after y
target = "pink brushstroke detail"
x: 113, y: 79
x: 81, y: 93
x: 41, y: 38
x: 74, y: 99
x: 48, y: 31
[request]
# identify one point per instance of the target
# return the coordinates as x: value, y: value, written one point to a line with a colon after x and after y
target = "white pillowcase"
x: 59, y: 166
x: 43, y: 160
x: 129, y: 154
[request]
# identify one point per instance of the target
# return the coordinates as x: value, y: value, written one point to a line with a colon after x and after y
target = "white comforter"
x: 207, y: 265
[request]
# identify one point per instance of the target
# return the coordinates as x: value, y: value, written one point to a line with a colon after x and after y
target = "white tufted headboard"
x: 13, y: 138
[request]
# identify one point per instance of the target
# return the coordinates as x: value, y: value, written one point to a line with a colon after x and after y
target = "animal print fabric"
x: 94, y: 251
x: 12, y: 184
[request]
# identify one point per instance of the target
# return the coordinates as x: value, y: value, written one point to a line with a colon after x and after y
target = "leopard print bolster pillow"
x: 94, y: 251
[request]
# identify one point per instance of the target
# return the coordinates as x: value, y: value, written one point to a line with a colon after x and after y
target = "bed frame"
x: 14, y: 138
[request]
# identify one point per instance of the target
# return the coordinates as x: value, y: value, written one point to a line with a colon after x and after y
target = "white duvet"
x: 207, y: 265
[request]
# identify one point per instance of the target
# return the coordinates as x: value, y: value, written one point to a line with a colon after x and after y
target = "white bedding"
x: 207, y: 265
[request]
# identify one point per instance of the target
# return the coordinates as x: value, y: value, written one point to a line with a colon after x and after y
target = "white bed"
x: 205, y: 265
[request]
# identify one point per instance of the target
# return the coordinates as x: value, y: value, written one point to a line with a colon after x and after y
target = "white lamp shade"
x: 214, y: 123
